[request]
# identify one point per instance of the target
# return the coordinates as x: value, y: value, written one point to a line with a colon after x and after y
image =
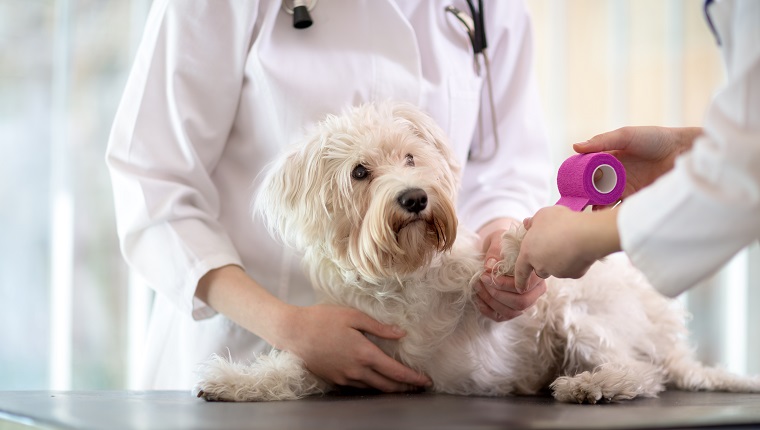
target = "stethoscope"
x: 300, y: 12
x: 476, y: 31
x: 708, y: 18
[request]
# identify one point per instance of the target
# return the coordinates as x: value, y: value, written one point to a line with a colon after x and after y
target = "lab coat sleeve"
x: 689, y: 223
x: 170, y: 129
x: 516, y: 181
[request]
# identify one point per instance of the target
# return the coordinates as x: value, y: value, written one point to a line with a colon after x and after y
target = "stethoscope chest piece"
x: 300, y: 12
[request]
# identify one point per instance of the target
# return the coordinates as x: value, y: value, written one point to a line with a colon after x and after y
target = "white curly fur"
x: 605, y: 337
x: 278, y: 375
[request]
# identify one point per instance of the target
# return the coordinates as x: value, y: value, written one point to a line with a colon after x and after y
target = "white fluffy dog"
x: 370, y: 201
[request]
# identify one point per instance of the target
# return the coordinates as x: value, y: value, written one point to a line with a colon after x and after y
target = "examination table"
x: 180, y: 410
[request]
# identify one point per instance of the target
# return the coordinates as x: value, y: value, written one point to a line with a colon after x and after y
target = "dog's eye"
x: 409, y: 160
x: 360, y: 172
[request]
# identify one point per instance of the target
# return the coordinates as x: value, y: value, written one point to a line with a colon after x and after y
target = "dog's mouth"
x: 411, y: 221
x: 426, y: 229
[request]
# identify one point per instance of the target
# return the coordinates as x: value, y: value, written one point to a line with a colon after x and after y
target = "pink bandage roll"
x: 577, y: 186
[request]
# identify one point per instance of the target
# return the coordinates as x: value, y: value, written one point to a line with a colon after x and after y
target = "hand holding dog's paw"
x: 496, y: 295
x: 509, y: 250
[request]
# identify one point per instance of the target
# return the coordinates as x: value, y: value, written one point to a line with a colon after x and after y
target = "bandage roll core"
x: 590, y: 179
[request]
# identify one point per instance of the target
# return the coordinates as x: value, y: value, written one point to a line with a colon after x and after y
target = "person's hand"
x: 646, y: 152
x: 331, y: 341
x: 496, y: 296
x: 564, y: 244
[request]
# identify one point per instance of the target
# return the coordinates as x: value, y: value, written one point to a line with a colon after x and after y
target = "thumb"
x: 522, y: 273
x: 527, y: 222
x: 365, y: 323
x: 609, y: 141
x: 585, y: 147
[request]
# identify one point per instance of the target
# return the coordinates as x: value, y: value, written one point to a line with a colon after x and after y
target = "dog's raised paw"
x: 510, y: 248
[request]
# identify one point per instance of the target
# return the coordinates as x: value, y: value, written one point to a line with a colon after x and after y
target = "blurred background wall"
x: 71, y: 316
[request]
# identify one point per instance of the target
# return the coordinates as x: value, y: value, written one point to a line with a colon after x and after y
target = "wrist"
x: 602, y: 227
x: 285, y: 328
x: 230, y: 291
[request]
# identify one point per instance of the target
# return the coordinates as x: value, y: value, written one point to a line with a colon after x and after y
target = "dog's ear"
x: 288, y: 198
x: 430, y: 131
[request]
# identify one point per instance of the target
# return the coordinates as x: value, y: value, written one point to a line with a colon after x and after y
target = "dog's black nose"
x: 413, y: 200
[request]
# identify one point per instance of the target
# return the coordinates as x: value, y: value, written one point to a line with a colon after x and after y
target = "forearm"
x: 230, y: 291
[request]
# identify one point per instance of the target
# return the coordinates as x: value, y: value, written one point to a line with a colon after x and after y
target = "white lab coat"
x: 219, y: 87
x: 692, y: 220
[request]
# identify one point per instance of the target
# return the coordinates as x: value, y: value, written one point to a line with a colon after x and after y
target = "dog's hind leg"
x: 278, y: 375
x: 610, y: 382
x: 686, y: 373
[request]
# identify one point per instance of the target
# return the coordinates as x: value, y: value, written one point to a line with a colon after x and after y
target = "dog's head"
x: 373, y: 190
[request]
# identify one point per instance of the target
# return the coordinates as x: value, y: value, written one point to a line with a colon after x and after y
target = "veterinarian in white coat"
x: 219, y: 87
x: 705, y: 206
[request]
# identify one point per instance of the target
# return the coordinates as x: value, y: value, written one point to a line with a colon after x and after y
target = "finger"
x: 491, y: 259
x: 486, y: 310
x: 508, y: 304
x: 534, y: 281
x: 499, y: 312
x: 483, y: 307
x: 536, y: 291
x: 363, y: 322
x: 480, y: 287
x: 492, y: 309
x: 598, y: 175
x: 503, y: 283
x: 518, y: 303
x: 372, y: 379
x: 356, y: 384
x: 496, y: 304
x: 609, y: 141
x: 397, y: 372
x: 584, y: 147
x: 527, y: 222
x: 508, y: 283
x: 483, y: 297
x: 494, y: 315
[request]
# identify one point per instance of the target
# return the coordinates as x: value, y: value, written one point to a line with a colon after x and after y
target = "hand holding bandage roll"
x: 590, y: 179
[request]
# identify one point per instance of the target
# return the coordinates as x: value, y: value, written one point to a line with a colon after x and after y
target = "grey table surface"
x: 180, y: 410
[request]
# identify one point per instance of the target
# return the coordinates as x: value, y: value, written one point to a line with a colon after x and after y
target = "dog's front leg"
x: 510, y: 248
x: 278, y: 375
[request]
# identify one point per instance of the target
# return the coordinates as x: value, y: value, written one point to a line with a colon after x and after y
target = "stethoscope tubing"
x: 475, y: 29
